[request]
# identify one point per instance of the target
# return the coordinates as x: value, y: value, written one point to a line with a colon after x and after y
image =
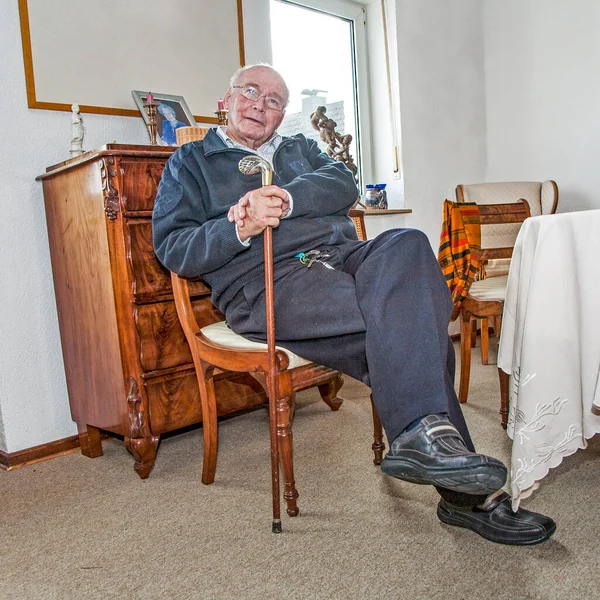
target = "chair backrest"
x: 191, y: 328
x: 183, y: 303
x: 207, y: 349
x: 224, y: 349
x: 513, y: 213
x: 542, y: 198
x: 358, y: 218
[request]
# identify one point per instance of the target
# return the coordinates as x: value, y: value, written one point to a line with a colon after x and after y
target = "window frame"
x: 356, y: 13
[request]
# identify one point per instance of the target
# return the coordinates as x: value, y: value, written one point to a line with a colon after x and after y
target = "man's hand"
x: 259, y: 209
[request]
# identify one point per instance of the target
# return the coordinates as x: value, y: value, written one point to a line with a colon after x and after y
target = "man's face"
x: 253, y: 123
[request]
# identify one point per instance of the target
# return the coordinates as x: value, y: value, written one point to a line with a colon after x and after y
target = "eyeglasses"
x: 250, y: 92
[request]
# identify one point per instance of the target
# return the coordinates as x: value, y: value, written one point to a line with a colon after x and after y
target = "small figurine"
x: 338, y: 146
x: 77, y: 131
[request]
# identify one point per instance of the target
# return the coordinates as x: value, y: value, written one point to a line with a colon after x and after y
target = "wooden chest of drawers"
x: 128, y: 366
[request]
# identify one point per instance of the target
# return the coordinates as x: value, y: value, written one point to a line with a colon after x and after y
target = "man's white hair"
x: 236, y: 76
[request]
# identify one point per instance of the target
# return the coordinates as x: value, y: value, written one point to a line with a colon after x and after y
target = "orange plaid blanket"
x: 461, y: 233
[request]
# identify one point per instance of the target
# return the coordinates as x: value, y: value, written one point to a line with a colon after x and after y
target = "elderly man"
x: 376, y: 310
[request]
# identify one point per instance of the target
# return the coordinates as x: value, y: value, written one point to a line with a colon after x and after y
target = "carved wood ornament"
x: 338, y: 146
x: 140, y: 443
x: 108, y: 173
x: 137, y: 420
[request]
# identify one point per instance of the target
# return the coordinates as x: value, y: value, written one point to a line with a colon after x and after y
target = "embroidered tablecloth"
x: 550, y: 344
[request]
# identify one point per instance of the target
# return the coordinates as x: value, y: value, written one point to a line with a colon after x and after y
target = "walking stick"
x: 250, y: 165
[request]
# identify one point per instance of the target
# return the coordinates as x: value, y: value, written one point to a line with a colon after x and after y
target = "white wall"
x: 34, y: 401
x: 442, y: 99
x: 34, y: 407
x: 437, y: 65
x: 383, y: 125
x: 542, y: 61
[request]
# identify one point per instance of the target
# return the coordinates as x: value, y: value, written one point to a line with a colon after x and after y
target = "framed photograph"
x: 172, y: 112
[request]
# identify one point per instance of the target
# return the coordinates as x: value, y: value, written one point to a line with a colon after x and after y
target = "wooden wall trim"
x: 27, y: 54
x: 15, y: 460
x: 241, y: 33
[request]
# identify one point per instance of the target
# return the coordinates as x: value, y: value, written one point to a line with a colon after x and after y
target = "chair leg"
x: 286, y: 448
x: 329, y: 392
x: 209, y: 427
x: 497, y: 324
x: 485, y: 337
x: 465, y: 355
x: 474, y: 333
x: 378, y: 446
x: 504, y: 400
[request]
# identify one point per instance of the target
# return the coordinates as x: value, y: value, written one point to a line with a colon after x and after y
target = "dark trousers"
x: 381, y: 316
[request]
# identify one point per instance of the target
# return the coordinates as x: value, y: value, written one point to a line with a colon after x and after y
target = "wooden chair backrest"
x: 203, y: 348
x: 498, y: 214
x: 185, y: 312
x: 181, y: 291
x: 542, y: 196
x: 358, y: 218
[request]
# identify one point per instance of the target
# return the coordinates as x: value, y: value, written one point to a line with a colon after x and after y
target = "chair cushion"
x: 490, y: 289
x: 221, y: 334
x: 497, y: 267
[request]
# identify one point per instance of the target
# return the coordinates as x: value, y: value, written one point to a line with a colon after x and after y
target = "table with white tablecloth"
x: 550, y: 344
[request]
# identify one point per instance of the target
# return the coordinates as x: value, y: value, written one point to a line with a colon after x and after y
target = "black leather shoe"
x: 498, y: 523
x: 434, y: 453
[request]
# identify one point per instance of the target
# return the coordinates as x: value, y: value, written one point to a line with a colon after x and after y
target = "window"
x: 316, y: 52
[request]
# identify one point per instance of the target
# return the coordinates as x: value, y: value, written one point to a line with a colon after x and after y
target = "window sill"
x: 385, y: 211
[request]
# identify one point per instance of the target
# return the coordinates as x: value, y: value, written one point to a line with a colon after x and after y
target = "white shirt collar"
x: 266, y: 150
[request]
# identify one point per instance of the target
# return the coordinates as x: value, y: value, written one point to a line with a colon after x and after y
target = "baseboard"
x: 15, y: 460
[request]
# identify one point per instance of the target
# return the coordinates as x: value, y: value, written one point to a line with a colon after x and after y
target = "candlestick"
x: 221, y: 113
x: 151, y: 125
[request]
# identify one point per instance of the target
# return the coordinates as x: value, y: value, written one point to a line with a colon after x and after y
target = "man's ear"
x: 226, y: 98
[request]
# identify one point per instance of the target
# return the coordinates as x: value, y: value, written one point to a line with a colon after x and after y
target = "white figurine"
x: 77, y: 131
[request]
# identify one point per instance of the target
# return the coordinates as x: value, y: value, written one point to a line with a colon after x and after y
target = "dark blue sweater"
x: 201, y: 180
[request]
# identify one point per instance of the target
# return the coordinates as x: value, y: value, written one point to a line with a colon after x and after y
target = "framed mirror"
x: 95, y: 53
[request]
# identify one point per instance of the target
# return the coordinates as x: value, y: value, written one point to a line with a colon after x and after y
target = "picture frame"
x: 51, y: 33
x: 172, y: 112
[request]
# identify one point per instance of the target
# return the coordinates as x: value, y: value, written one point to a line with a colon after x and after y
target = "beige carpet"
x: 73, y: 527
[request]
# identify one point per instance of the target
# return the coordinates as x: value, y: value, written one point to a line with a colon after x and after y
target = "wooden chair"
x: 486, y: 296
x: 217, y: 350
x: 358, y: 218
x: 542, y: 197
